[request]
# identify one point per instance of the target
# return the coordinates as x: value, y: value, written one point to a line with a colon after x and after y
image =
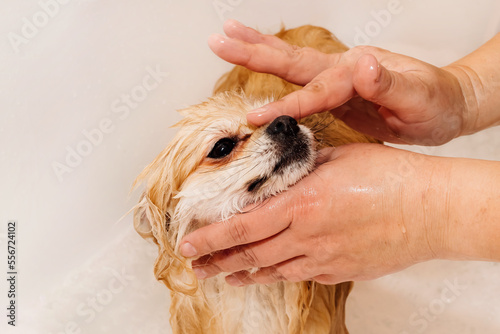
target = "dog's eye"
x: 222, y: 148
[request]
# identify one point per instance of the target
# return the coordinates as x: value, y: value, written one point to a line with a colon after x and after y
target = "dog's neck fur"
x: 212, y: 306
x: 282, y: 307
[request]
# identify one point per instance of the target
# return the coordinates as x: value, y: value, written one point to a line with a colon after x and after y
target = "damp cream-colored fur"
x: 185, y: 190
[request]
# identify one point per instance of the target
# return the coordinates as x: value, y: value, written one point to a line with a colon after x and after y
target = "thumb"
x: 395, y: 92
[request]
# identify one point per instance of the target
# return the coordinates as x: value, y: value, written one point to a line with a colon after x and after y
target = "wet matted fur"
x: 186, y: 189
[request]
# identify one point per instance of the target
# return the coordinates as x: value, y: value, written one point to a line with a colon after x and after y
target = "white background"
x: 81, y: 270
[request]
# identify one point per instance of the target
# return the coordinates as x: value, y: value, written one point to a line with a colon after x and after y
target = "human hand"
x: 389, y: 96
x: 353, y: 218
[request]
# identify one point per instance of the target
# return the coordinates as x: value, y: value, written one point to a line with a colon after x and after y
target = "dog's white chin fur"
x: 188, y: 190
x: 212, y: 194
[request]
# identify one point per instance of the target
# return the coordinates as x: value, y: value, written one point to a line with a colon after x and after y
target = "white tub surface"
x: 66, y: 68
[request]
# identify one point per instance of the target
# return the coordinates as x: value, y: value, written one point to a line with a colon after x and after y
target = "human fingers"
x: 330, y: 89
x: 298, y: 269
x: 241, y: 229
x: 265, y: 253
x: 294, y: 64
x: 237, y: 30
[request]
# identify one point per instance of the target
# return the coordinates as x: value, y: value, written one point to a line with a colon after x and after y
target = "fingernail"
x: 187, y: 250
x: 375, y: 66
x: 369, y: 60
x: 200, y: 273
x: 232, y: 280
x: 259, y: 112
x: 217, y: 38
x: 379, y: 72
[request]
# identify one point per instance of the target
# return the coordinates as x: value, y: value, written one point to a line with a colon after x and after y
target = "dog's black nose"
x: 285, y: 125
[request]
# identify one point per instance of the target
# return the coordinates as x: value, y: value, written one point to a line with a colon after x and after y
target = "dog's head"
x: 215, y: 166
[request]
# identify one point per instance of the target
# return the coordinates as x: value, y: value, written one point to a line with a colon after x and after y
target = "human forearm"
x: 479, y: 77
x: 461, y: 206
x: 473, y: 199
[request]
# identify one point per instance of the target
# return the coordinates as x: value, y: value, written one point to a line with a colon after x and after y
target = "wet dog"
x: 215, y: 166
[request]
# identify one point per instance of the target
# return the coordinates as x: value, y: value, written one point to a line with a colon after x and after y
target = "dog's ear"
x: 147, y: 217
x: 170, y: 268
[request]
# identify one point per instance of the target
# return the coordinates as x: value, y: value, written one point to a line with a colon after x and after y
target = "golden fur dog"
x: 215, y: 166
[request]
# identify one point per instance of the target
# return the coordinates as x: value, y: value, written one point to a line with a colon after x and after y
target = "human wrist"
x: 466, y: 100
x: 417, y: 208
x: 479, y: 77
x: 473, y: 224
x: 449, y: 210
x: 428, y: 200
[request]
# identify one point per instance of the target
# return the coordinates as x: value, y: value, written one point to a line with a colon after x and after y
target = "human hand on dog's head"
x: 392, y: 97
x: 352, y: 218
